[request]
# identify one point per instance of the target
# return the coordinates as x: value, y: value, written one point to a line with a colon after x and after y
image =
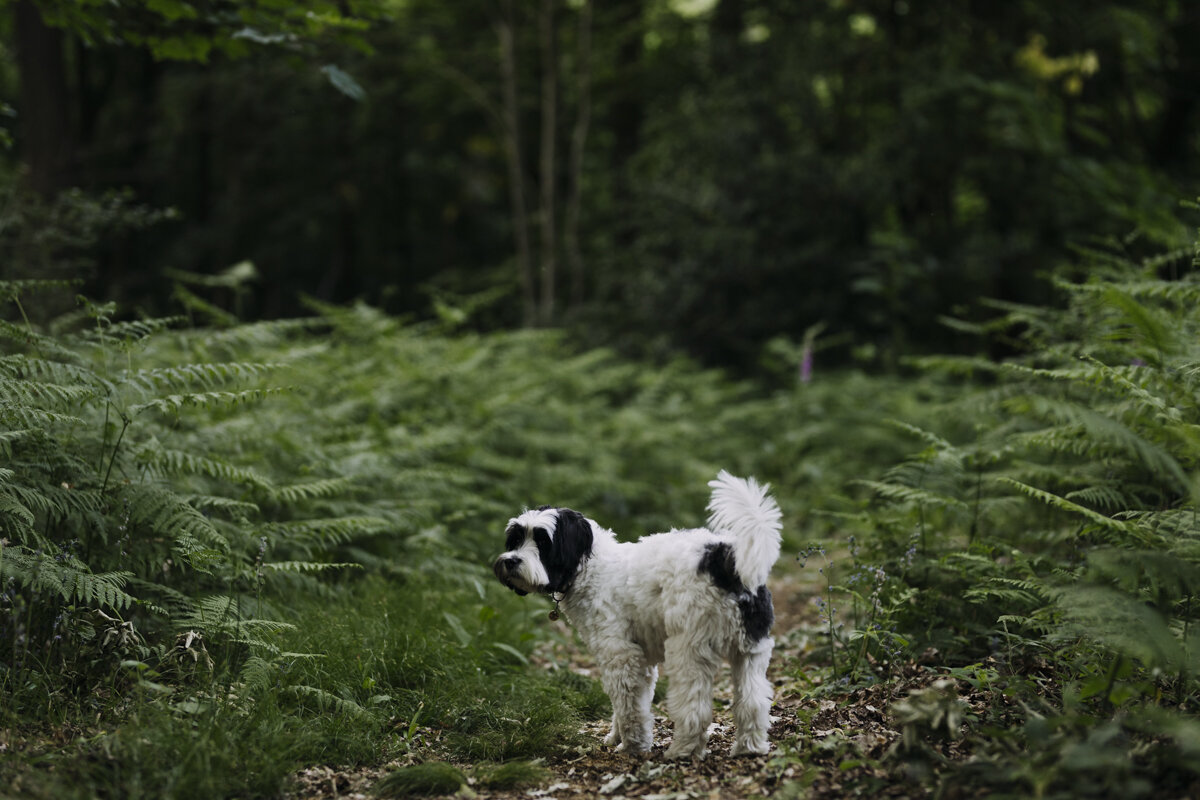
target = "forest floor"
x: 831, y: 746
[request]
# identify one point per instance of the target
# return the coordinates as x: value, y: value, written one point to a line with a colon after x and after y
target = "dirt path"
x: 817, y: 746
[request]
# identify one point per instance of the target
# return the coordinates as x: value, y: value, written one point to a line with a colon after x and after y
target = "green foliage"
x: 168, y: 561
x: 183, y: 30
x: 432, y: 777
x: 202, y: 582
x: 1058, y: 499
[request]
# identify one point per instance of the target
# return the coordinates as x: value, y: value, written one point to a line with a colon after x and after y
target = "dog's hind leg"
x: 629, y: 682
x: 689, y: 696
x: 751, y: 698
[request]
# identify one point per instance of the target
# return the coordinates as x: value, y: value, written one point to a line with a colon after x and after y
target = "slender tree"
x: 547, y: 163
x: 45, y: 132
x: 511, y: 137
x: 579, y: 136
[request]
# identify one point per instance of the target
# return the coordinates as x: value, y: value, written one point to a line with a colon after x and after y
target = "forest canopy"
x: 705, y: 175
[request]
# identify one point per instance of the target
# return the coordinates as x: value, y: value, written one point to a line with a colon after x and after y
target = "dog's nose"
x: 505, y: 565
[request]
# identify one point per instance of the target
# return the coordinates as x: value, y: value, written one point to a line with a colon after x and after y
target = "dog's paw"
x: 613, y: 738
x: 685, y: 751
x: 632, y: 749
x: 749, y: 747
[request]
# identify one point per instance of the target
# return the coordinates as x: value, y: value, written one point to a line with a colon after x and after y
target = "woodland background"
x: 301, y: 299
x: 661, y: 176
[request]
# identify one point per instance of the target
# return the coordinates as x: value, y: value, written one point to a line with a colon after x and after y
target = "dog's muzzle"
x: 503, y: 567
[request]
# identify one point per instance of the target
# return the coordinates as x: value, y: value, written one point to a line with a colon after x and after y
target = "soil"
x: 831, y: 747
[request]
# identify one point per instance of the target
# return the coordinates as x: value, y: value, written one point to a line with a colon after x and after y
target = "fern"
x: 309, y: 490
x: 326, y: 701
x: 328, y: 531
x: 65, y: 577
x: 167, y: 462
x: 909, y: 494
x: 173, y: 404
x: 208, y: 375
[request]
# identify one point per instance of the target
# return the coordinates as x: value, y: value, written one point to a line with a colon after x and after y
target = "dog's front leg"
x: 629, y: 682
x: 614, y: 736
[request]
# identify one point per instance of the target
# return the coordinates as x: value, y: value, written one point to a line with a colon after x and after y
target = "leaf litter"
x: 838, y: 745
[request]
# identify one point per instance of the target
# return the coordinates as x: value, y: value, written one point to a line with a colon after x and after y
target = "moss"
x: 432, y: 777
x: 511, y: 775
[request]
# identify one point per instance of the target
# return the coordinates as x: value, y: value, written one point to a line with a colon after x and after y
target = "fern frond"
x: 45, y: 346
x: 931, y: 439
x: 15, y: 288
x: 175, y: 603
x: 1165, y: 409
x: 1150, y: 326
x: 1180, y: 291
x: 7, y: 438
x: 173, y: 404
x: 129, y: 330
x: 259, y: 335
x: 104, y: 589
x: 166, y: 514
x: 257, y: 674
x: 1020, y: 591
x: 1034, y: 624
x: 205, y: 375
x: 16, y: 520
x: 1049, y: 498
x: 66, y: 577
x: 36, y: 393
x: 24, y: 416
x: 1102, y: 428
x: 328, y: 531
x: 310, y: 490
x: 165, y: 462
x: 1121, y: 623
x: 25, y: 367
x: 308, y: 566
x: 910, y: 494
x: 1109, y: 497
x: 326, y: 701
x: 228, y: 505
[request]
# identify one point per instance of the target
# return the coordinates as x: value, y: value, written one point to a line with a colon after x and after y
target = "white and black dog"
x: 685, y: 599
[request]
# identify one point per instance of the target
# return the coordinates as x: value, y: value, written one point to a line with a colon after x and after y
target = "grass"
x: 367, y: 675
x: 434, y: 777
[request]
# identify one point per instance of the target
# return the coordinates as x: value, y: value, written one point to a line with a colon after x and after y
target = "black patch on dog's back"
x: 758, y: 613
x: 718, y: 562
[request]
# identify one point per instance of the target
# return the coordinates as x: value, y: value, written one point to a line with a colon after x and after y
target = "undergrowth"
x: 230, y: 549
x: 1044, y: 538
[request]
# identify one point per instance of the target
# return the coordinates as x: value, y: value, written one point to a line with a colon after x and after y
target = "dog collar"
x: 554, y: 613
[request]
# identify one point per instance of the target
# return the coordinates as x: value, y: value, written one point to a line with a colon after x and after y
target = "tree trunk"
x: 45, y: 131
x: 1178, y: 120
x: 547, y: 168
x: 511, y: 116
x: 583, y: 116
x: 626, y: 111
x: 725, y: 35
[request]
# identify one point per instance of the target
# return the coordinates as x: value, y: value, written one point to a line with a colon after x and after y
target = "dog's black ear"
x: 572, y: 544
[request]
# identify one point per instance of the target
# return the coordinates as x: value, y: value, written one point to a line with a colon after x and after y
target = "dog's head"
x: 543, y: 550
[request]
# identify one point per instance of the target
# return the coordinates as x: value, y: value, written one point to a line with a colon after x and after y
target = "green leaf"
x: 344, y: 83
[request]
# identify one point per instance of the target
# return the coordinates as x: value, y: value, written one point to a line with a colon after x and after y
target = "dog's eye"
x: 513, y: 538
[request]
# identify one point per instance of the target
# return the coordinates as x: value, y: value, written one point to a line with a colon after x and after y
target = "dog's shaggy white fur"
x: 684, y: 599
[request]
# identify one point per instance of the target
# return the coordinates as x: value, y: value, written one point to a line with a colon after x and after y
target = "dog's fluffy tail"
x: 742, y: 508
